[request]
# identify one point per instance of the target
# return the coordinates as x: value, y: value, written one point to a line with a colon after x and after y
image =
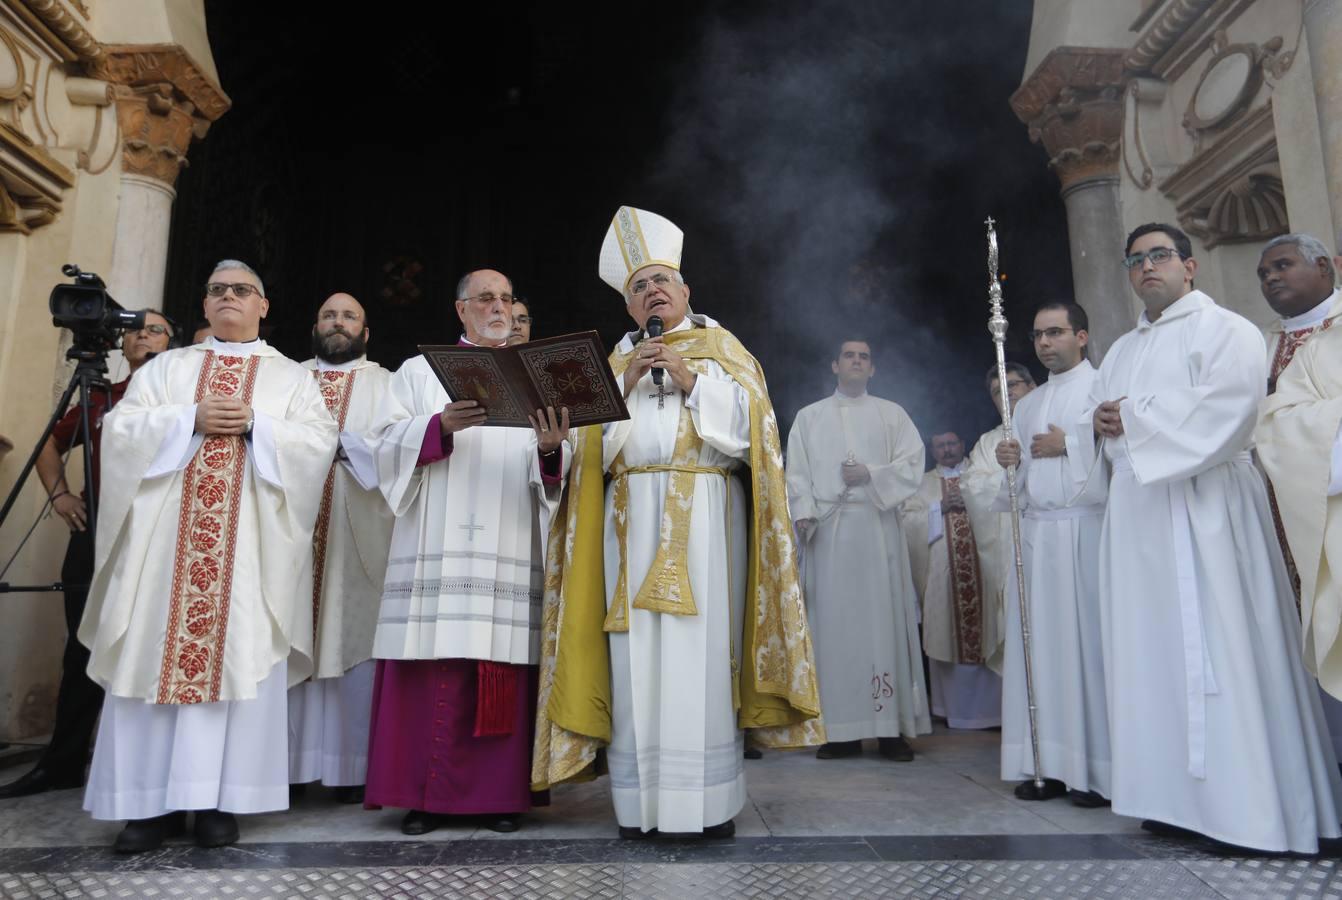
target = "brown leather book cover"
x: 511, y: 382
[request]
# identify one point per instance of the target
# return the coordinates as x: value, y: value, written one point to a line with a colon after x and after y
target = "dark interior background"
x: 831, y: 164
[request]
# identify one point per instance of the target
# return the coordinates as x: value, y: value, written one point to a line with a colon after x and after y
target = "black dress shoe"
x: 215, y: 828
x: 350, y: 793
x: 753, y: 753
x: 140, y: 835
x: 504, y: 824
x: 839, y: 749
x: 722, y: 830
x: 1087, y: 799
x: 417, y: 821
x: 895, y: 748
x: 634, y: 833
x: 1027, y: 790
x: 297, y: 791
x: 39, y: 780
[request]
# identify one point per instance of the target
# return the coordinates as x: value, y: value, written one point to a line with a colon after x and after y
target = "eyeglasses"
x: 240, y: 289
x: 522, y: 320
x: 155, y: 329
x: 1051, y: 333
x: 641, y: 285
x: 488, y: 299
x: 1157, y: 255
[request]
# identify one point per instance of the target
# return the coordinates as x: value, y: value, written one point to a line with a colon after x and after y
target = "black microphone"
x: 654, y: 329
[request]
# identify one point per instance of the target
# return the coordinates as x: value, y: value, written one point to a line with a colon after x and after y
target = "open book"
x: 512, y: 382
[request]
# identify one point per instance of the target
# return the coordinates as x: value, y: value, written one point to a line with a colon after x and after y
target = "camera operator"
x: 77, y: 705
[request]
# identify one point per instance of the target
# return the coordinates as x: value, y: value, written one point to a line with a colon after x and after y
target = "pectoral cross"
x: 471, y: 529
x: 661, y: 395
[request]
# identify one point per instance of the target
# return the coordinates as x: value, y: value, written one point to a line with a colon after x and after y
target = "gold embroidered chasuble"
x: 198, y: 572
x: 774, y: 683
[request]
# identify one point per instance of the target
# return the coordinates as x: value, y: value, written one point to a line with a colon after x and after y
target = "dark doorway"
x: 831, y: 164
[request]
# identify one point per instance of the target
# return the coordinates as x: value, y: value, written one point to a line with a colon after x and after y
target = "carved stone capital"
x: 1073, y: 105
x: 163, y: 101
x: 158, y: 64
x: 156, y: 131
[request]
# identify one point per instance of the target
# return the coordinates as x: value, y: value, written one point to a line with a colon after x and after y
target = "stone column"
x: 163, y: 103
x: 1323, y: 30
x: 1073, y: 106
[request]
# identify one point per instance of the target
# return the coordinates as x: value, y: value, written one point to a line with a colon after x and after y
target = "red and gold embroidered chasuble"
x: 202, y: 575
x: 966, y: 580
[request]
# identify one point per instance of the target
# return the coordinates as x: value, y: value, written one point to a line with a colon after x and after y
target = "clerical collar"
x: 1070, y: 374
x: 470, y: 343
x: 1311, y: 318
x: 232, y: 348
x: 845, y: 399
x: 951, y: 473
x: 324, y: 366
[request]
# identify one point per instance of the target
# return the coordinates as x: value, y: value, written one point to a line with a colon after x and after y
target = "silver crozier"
x: 997, y: 327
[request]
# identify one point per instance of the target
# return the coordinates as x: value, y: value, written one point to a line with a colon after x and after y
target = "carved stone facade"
x: 1201, y: 112
x: 100, y: 101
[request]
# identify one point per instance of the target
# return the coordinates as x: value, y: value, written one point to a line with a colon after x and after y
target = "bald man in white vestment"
x: 328, y: 714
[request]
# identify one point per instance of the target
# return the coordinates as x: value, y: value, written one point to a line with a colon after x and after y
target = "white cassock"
x: 961, y: 627
x: 860, y: 599
x: 196, y: 618
x: 328, y: 714
x: 1061, y: 502
x: 1214, y: 724
x: 675, y: 753
x: 467, y: 550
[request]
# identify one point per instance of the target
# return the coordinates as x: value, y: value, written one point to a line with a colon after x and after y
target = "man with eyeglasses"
x: 198, y: 619
x: 458, y: 632
x: 328, y: 714
x: 1062, y: 507
x: 673, y: 612
x: 79, y: 699
x: 1215, y: 727
x: 852, y: 459
x: 522, y: 320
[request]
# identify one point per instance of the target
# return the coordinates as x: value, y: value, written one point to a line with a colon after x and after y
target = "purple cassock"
x: 423, y: 749
x: 454, y: 736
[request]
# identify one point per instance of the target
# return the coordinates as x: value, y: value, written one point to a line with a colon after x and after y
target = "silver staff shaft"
x: 997, y: 327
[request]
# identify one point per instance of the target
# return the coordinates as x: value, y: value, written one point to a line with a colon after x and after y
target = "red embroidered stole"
x: 966, y: 581
x: 207, y: 527
x: 1287, y: 345
x: 336, y: 388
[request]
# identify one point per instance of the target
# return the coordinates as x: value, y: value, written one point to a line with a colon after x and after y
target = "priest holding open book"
x: 458, y: 633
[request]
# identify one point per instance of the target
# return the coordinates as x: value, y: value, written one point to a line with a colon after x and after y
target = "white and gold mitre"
x: 638, y: 238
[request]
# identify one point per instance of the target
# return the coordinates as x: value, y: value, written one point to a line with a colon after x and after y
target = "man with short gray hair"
x: 1298, y: 279
x: 196, y: 618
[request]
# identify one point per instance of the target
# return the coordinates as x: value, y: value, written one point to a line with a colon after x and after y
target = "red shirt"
x: 66, y: 434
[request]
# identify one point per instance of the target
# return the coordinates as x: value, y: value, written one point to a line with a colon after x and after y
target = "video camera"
x: 89, y: 311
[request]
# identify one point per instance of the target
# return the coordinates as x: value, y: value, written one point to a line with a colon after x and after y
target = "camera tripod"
x: 90, y: 372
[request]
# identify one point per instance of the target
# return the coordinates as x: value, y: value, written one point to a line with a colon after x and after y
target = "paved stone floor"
x: 942, y: 826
